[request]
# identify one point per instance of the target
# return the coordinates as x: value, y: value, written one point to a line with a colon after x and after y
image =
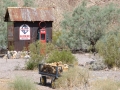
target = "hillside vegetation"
x: 79, y: 25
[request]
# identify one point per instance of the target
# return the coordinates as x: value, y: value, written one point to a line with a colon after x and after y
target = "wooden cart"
x: 48, y: 73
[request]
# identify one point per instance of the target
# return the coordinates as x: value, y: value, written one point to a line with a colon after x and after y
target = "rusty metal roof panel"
x: 30, y: 14
x: 14, y: 14
x: 33, y: 14
x: 25, y: 14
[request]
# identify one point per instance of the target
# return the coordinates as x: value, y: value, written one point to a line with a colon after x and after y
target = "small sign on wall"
x: 24, y: 32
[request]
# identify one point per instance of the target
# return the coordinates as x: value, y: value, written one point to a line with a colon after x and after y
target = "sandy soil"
x: 11, y: 68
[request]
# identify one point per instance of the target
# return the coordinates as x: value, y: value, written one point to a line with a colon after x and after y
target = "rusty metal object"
x: 29, y: 14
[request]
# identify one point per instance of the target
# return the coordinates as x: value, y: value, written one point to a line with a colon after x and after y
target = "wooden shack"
x: 27, y: 21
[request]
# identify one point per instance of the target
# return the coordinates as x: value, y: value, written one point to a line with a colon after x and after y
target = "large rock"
x: 96, y: 65
x: 17, y: 55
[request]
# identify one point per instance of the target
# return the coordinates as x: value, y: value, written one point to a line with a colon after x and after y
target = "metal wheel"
x: 43, y: 80
x: 53, y: 83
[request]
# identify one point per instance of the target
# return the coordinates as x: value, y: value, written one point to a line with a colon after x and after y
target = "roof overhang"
x: 29, y: 14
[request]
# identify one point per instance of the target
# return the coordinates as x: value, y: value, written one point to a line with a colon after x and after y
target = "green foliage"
x: 107, y: 84
x: 50, y: 47
x: 109, y: 48
x: 38, y: 53
x: 30, y: 65
x: 35, y: 50
x: 65, y: 56
x: 35, y: 55
x: 24, y: 49
x: 55, y: 36
x: 11, y: 48
x: 28, y: 3
x: 2, y: 41
x: 75, y: 77
x: 52, y: 53
x: 22, y: 84
x: 85, y: 26
x: 3, y: 25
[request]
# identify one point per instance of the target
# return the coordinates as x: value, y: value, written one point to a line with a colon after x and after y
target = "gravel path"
x: 11, y: 68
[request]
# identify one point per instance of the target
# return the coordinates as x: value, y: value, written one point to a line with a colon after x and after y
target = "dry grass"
x: 20, y: 83
x: 106, y: 84
x: 75, y: 77
x: 4, y: 84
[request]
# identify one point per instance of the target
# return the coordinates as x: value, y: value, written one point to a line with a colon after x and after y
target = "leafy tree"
x: 85, y: 26
x: 3, y: 25
x: 28, y: 3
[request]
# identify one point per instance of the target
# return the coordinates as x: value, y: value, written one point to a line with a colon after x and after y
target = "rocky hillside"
x: 62, y: 6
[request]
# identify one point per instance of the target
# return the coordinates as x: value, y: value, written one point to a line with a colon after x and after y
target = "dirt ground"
x: 10, y: 68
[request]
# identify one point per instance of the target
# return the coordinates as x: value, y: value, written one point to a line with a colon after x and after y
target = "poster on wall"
x: 24, y: 32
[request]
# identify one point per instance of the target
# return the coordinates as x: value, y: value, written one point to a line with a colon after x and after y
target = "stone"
x: 95, y: 65
x: 17, y: 55
x: 27, y: 57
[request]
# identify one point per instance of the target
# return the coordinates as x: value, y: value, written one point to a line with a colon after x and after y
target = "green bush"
x: 55, y: 36
x: 11, y: 47
x: 109, y: 48
x: 50, y: 47
x: 35, y: 55
x: 107, y: 84
x: 34, y: 49
x: 30, y: 65
x: 22, y: 84
x: 65, y: 56
x: 86, y: 25
x: 38, y: 53
x: 51, y: 54
x: 75, y: 77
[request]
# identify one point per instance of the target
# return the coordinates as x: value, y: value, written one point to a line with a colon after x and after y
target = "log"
x: 51, y: 67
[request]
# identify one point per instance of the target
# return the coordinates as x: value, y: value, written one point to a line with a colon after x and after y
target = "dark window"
x: 42, y: 36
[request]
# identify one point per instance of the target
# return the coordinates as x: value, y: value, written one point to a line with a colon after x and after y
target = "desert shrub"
x: 35, y: 55
x: 50, y: 47
x: 64, y: 55
x: 55, y: 36
x: 38, y: 53
x: 107, y: 84
x: 109, y: 48
x: 75, y: 77
x: 20, y: 83
x: 11, y: 47
x: 3, y: 25
x: 34, y: 49
x: 30, y: 65
x: 28, y: 3
x: 82, y: 28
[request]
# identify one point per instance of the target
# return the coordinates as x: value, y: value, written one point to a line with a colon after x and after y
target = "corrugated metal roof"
x: 29, y: 14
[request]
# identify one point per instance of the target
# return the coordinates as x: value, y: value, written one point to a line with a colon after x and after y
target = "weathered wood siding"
x: 34, y: 29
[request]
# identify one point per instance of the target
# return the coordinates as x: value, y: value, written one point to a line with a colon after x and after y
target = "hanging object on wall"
x: 24, y: 32
x: 42, y: 26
